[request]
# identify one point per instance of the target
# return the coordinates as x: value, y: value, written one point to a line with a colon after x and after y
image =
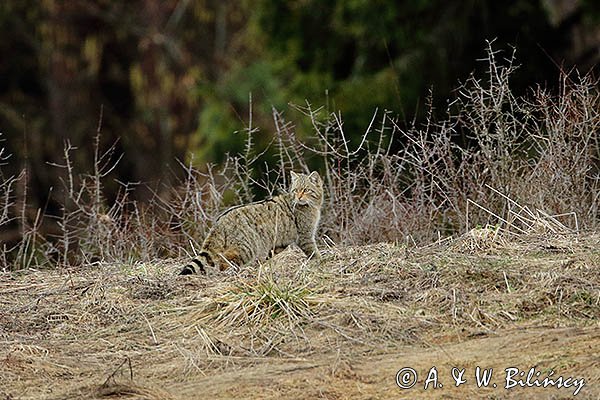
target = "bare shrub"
x: 516, y: 163
x: 521, y: 159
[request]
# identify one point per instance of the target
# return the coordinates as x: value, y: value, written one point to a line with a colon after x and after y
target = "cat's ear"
x: 294, y: 176
x: 314, y: 177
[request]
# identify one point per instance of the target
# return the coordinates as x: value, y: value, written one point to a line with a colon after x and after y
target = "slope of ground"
x: 337, y: 328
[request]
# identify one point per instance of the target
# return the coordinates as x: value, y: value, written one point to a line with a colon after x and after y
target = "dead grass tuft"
x: 261, y: 301
x: 478, y: 240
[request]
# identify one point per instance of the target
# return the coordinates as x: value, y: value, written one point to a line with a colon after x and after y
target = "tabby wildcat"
x: 251, y: 232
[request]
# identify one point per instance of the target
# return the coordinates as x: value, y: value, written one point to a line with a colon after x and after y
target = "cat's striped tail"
x: 197, y: 264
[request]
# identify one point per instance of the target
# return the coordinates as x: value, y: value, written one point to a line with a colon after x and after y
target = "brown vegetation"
x: 497, y: 160
x: 339, y: 328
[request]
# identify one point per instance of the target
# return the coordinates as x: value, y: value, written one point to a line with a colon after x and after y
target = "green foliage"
x: 355, y: 56
x: 220, y: 121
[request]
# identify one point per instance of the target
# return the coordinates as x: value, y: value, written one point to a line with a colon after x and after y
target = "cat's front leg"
x: 309, y: 247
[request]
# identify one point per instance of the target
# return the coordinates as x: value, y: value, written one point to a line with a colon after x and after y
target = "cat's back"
x: 255, y: 214
x: 253, y: 230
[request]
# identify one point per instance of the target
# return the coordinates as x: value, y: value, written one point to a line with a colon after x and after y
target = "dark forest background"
x: 169, y: 80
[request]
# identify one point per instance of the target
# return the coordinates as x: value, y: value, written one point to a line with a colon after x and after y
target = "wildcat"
x: 251, y: 232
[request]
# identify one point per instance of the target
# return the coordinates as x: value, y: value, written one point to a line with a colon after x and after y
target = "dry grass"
x: 137, y: 331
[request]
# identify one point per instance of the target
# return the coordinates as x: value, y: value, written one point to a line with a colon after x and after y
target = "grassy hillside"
x: 463, y: 242
x: 337, y: 328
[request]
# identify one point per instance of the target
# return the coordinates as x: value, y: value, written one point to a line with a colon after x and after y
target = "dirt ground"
x: 373, y: 377
x: 338, y: 328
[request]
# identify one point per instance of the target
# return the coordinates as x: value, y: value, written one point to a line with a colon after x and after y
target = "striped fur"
x: 251, y: 232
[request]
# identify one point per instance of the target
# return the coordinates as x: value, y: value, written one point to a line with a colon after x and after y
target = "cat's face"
x: 307, y: 190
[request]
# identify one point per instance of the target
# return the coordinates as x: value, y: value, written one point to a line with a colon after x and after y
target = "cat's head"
x: 307, y: 190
